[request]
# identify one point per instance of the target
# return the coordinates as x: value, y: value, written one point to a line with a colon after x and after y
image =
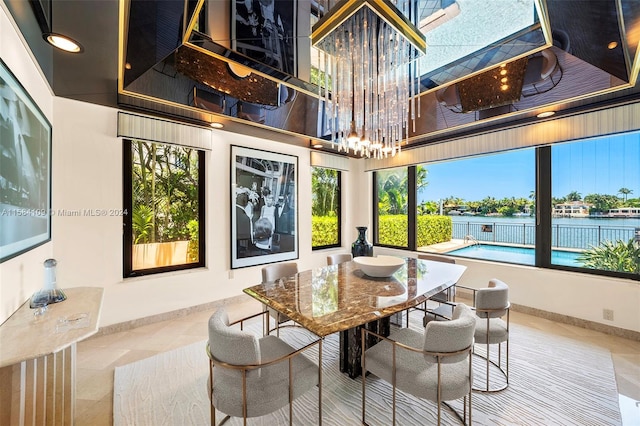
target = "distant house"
x: 571, y: 209
x: 628, y: 212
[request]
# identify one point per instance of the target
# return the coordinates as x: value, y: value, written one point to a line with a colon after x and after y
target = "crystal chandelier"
x: 368, y: 48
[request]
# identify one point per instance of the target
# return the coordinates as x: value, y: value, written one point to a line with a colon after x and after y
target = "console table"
x: 38, y: 358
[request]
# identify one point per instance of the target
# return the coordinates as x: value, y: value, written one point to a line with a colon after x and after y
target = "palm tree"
x: 625, y: 192
x: 574, y: 196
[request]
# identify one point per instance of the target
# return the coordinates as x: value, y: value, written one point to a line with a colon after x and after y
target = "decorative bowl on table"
x: 379, y: 266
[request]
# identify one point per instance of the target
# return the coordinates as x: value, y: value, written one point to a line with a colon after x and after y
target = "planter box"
x: 157, y: 255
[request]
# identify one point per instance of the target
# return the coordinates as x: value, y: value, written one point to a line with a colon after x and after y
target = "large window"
x: 164, y: 193
x: 596, y: 204
x: 392, y: 224
x: 568, y: 206
x: 325, y: 208
x: 480, y: 207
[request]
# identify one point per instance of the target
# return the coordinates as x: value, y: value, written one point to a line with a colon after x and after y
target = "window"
x: 325, y: 208
x: 164, y: 193
x: 572, y: 206
x: 481, y: 207
x: 392, y: 194
x: 595, y: 220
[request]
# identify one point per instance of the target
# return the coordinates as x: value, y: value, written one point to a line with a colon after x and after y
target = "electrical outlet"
x: 607, y: 314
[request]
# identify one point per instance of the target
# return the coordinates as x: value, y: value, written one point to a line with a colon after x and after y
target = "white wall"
x: 89, y: 249
x: 21, y: 276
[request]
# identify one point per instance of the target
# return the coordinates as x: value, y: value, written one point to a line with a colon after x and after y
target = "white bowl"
x: 380, y: 266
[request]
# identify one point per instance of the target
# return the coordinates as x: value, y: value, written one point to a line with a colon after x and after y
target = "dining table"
x: 342, y: 299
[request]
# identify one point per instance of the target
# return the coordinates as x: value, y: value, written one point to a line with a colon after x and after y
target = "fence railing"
x: 563, y: 236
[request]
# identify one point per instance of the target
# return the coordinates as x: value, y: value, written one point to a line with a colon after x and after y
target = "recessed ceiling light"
x: 546, y: 114
x: 504, y: 87
x: 63, y: 42
x: 503, y: 72
x: 318, y: 145
x: 612, y: 45
x: 504, y: 79
x: 127, y: 66
x: 217, y: 125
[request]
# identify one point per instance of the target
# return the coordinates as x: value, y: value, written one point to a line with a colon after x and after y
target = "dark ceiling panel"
x: 590, y: 26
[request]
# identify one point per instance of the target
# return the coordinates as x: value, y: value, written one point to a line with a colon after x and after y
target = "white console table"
x: 38, y: 358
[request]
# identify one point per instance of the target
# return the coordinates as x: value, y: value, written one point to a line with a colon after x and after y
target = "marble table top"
x: 334, y: 298
x: 24, y: 336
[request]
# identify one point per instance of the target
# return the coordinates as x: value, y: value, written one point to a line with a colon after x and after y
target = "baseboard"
x: 565, y: 319
x: 128, y: 325
x: 552, y: 316
x: 578, y: 322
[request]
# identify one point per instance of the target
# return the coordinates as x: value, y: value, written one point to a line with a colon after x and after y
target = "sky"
x: 601, y: 165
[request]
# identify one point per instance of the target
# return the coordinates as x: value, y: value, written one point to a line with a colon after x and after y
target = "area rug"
x: 553, y: 381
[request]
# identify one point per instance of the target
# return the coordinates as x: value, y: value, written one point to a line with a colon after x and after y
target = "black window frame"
x: 127, y: 203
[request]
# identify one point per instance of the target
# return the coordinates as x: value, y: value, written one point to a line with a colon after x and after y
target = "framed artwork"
x: 264, y: 212
x: 25, y: 170
x: 265, y: 30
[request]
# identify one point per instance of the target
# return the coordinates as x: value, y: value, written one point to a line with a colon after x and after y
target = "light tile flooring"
x: 97, y: 357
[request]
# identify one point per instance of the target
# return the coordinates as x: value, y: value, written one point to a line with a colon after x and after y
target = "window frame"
x: 127, y: 203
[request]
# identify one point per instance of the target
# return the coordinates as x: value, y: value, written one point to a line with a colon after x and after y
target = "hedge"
x: 324, y: 231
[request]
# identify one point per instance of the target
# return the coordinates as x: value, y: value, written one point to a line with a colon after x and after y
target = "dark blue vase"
x: 362, y: 247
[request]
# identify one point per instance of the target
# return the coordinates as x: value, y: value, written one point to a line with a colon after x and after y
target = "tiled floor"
x: 97, y: 358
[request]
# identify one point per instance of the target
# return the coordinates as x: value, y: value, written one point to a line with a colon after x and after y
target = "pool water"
x: 525, y: 256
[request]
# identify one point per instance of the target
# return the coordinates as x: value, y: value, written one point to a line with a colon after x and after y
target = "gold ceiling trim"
x: 384, y: 9
x: 193, y: 20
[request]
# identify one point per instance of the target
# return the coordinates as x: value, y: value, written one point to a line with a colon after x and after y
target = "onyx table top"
x: 334, y: 298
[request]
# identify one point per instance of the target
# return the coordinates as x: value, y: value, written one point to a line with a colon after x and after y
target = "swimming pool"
x: 525, y: 256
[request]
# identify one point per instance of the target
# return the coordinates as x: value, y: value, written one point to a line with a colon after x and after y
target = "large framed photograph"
x: 25, y: 170
x: 265, y: 30
x: 264, y: 216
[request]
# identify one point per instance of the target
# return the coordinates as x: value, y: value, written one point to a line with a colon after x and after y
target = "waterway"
x: 567, y: 233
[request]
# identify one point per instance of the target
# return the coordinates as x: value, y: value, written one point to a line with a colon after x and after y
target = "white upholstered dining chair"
x: 251, y: 376
x: 271, y: 273
x: 337, y: 258
x: 434, y: 363
x: 491, y: 306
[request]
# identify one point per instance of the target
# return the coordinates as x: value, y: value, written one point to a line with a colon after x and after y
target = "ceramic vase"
x: 362, y: 247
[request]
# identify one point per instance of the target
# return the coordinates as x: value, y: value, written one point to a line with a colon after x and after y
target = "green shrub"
x: 432, y: 229
x: 610, y: 256
x: 324, y: 231
x: 392, y: 230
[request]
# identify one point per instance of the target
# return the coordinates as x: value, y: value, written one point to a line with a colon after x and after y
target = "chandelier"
x: 368, y: 49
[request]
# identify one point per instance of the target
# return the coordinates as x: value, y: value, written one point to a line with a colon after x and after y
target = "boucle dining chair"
x: 433, y: 363
x: 334, y: 259
x: 256, y: 376
x: 271, y: 273
x: 491, y: 305
x: 442, y: 311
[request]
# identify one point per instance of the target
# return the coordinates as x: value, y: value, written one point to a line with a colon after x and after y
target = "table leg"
x: 351, y: 345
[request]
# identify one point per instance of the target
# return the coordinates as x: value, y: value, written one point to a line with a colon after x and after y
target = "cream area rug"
x: 553, y: 381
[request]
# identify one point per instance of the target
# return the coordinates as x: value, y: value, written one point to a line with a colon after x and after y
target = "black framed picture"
x: 265, y: 30
x: 264, y: 213
x: 25, y: 170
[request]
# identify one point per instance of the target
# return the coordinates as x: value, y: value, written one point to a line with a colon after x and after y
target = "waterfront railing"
x: 563, y: 236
